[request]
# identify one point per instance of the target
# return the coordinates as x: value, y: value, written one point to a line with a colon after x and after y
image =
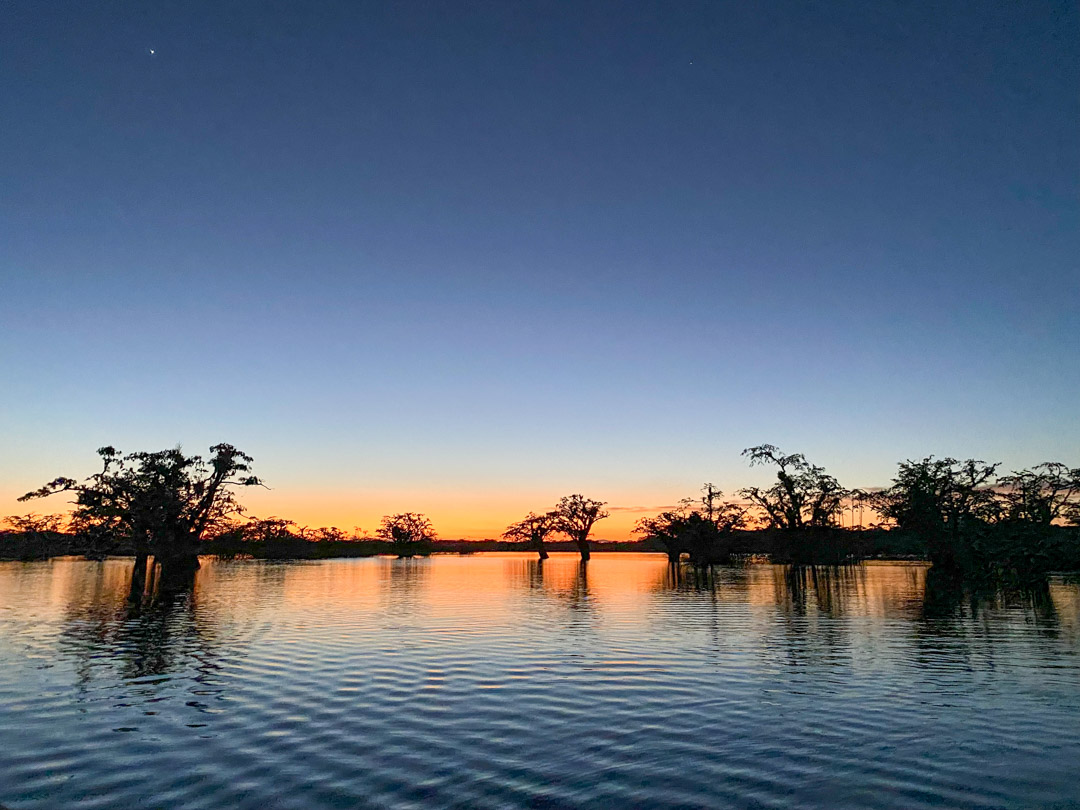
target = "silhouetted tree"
x: 576, y: 517
x: 702, y: 528
x: 34, y: 524
x: 804, y: 495
x: 1028, y: 539
x: 329, y: 534
x: 161, y: 503
x: 1047, y: 493
x: 726, y: 515
x: 275, y: 538
x: 939, y: 493
x: 409, y: 533
x: 33, y: 537
x: 265, y: 530
x: 668, y: 529
x: 710, y: 500
x: 532, y: 530
x: 945, y: 501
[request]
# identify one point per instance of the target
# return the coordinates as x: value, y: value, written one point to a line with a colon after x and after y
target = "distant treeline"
x: 963, y: 516
x: 760, y: 544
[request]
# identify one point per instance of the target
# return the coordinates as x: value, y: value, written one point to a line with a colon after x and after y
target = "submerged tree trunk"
x: 583, y: 547
x: 177, y: 574
x: 177, y: 551
x: 138, y: 580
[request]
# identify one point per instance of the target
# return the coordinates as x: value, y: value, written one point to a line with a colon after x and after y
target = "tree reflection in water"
x: 566, y: 585
x: 828, y: 614
x: 146, y: 630
x: 404, y: 583
x: 950, y: 606
x: 681, y: 576
x: 145, y: 622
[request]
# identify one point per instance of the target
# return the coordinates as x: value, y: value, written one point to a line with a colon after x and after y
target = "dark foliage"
x: 804, y: 495
x: 158, y: 503
x: 409, y: 534
x: 575, y: 517
x: 532, y: 530
x: 961, y: 515
x: 704, y: 529
x: 981, y: 526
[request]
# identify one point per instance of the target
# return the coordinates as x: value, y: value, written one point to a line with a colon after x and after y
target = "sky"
x: 465, y: 258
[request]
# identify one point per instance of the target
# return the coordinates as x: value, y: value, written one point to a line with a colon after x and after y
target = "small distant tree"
x: 576, y: 516
x: 33, y: 537
x: 275, y: 538
x: 268, y: 530
x: 35, y: 525
x: 409, y: 533
x: 804, y: 495
x: 160, y: 503
x: 329, y: 534
x: 532, y: 530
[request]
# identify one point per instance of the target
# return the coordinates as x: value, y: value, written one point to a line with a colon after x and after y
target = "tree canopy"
x: 1045, y: 494
x: 935, y: 495
x: 162, y: 503
x: 576, y: 516
x: 533, y: 530
x: 700, y: 527
x: 804, y: 495
x: 409, y: 533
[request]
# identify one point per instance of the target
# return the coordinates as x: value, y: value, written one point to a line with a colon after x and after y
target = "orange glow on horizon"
x: 456, y: 516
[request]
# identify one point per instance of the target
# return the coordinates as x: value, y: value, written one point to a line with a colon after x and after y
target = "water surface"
x: 495, y: 681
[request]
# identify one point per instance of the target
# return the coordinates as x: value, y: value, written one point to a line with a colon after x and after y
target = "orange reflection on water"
x: 499, y: 589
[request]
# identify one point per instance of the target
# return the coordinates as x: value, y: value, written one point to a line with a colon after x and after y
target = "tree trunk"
x: 583, y: 547
x: 178, y: 550
x: 177, y: 574
x: 138, y: 580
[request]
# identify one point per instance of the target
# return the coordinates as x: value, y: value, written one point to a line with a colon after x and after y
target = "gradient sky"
x: 464, y: 258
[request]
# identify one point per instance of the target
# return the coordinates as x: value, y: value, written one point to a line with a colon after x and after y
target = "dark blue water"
x: 490, y: 681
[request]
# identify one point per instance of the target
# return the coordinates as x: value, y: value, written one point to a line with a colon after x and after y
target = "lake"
x: 494, y: 681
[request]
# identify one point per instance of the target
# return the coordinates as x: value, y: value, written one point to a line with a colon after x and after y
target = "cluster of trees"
x: 573, y: 516
x: 975, y: 521
x: 702, y: 528
x: 162, y: 504
x: 799, y: 515
x: 963, y: 515
x: 407, y: 534
x: 166, y: 505
x: 36, y: 537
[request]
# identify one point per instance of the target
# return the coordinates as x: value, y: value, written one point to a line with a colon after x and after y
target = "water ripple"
x: 493, y: 681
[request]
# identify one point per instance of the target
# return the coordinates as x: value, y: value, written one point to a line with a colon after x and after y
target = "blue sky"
x: 415, y: 255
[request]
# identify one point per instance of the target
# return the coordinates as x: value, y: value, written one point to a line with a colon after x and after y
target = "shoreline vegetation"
x: 966, y: 519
